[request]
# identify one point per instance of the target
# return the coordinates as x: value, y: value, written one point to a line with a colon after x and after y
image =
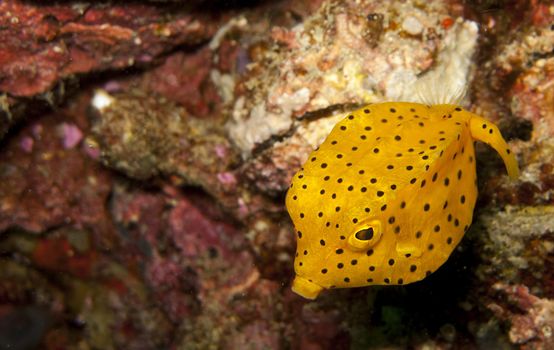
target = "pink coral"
x: 26, y: 143
x: 71, y: 135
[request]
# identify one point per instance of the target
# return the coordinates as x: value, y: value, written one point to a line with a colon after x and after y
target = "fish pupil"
x: 365, y: 235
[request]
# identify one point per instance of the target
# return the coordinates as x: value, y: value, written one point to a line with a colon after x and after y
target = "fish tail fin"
x: 485, y: 131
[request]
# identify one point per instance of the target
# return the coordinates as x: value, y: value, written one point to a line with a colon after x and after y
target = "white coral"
x: 447, y: 81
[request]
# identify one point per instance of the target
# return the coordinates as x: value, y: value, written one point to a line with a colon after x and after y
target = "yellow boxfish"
x: 388, y: 195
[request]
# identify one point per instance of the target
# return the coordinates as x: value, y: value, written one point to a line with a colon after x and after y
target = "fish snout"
x: 306, y: 288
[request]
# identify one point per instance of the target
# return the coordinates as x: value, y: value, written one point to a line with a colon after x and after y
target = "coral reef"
x: 146, y: 149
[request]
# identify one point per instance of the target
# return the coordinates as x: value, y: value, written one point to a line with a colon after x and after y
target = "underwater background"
x: 147, y: 146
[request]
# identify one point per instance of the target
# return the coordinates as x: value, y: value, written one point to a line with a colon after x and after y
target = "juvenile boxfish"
x: 388, y: 195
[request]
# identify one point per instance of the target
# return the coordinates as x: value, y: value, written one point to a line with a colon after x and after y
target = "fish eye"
x: 365, y: 234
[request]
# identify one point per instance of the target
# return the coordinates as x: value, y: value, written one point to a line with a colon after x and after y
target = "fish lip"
x: 305, y: 288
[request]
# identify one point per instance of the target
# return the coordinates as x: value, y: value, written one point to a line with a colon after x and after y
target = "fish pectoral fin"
x: 408, y: 248
x: 487, y: 132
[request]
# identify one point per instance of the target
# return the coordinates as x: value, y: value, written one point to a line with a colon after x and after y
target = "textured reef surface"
x: 146, y: 148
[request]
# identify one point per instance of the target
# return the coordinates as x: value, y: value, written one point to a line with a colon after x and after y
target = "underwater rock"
x: 185, y: 79
x: 240, y: 317
x: 517, y: 247
x: 536, y: 185
x: 194, y: 234
x: 517, y: 69
x: 146, y: 135
x: 23, y: 327
x: 67, y: 251
x: 527, y: 56
x: 30, y: 304
x: 24, y: 285
x: 46, y: 43
x: 189, y: 255
x: 45, y: 46
x: 116, y: 310
x: 533, y: 96
x: 140, y: 216
x: 515, y: 85
x: 137, y: 133
x: 531, y: 318
x: 318, y: 329
x: 514, y: 228
x: 44, y: 183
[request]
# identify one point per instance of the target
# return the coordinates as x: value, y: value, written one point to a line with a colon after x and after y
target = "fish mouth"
x: 306, y: 288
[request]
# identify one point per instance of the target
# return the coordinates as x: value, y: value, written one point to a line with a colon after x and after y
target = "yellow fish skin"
x: 388, y: 195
